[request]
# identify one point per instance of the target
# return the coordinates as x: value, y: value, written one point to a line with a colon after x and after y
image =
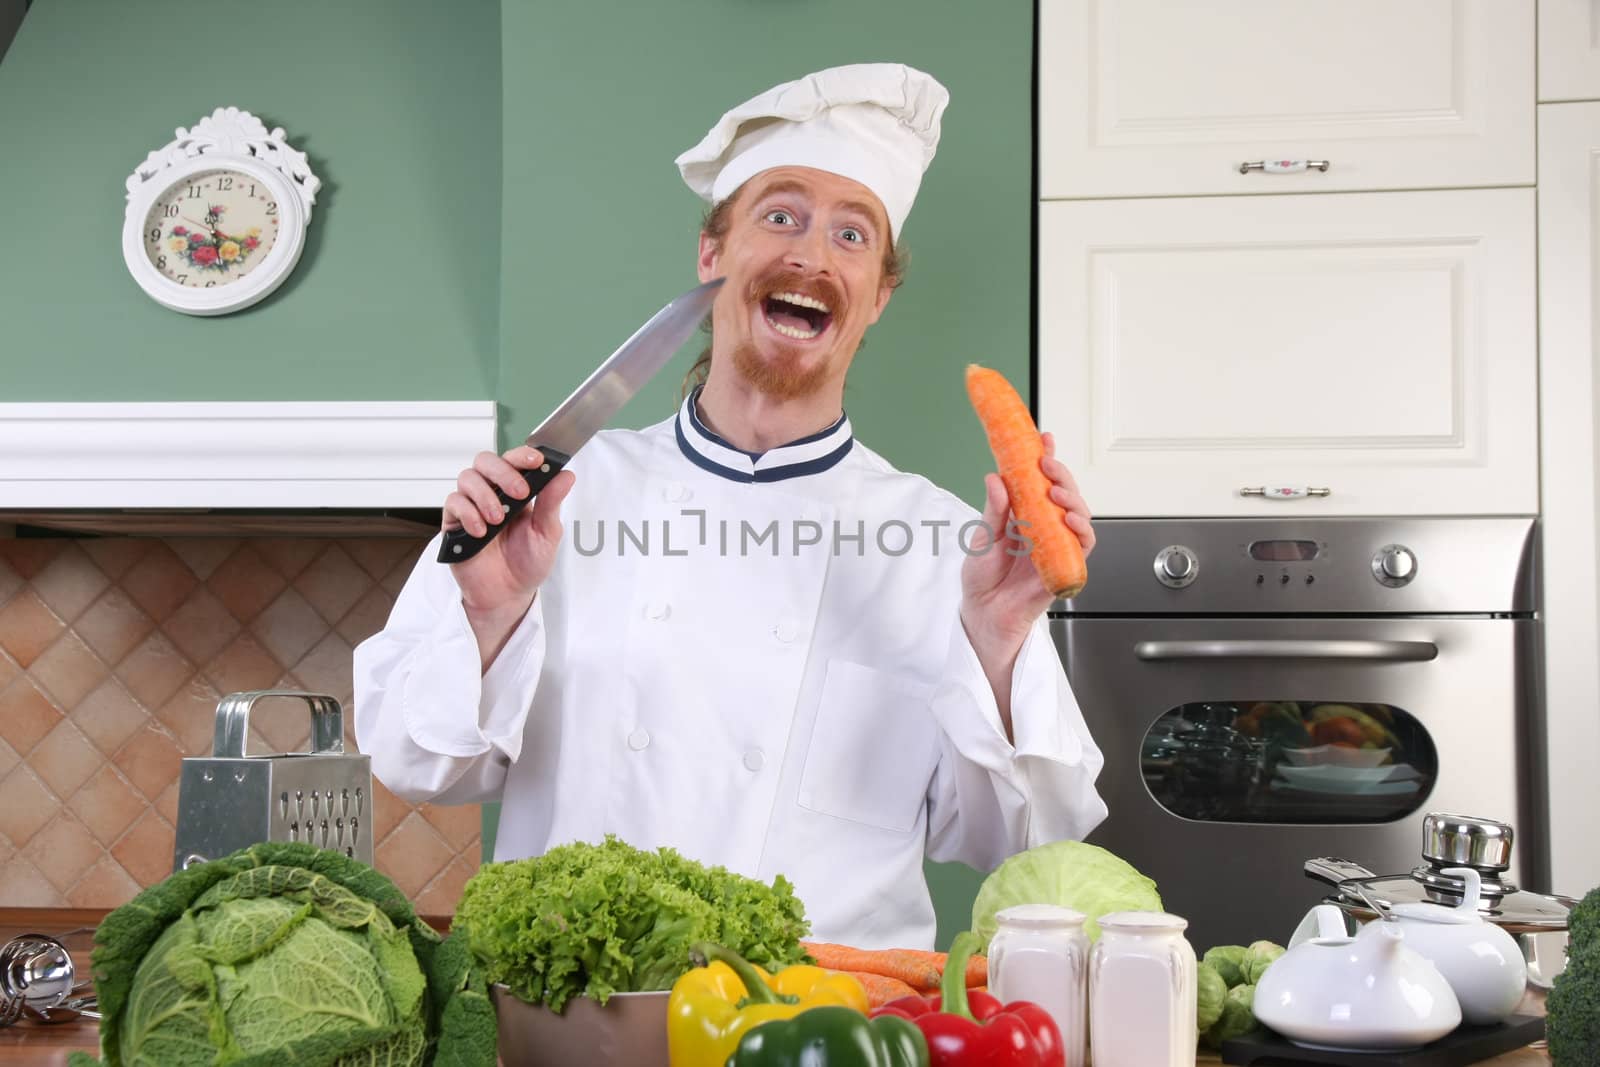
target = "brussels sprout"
x: 1210, y: 991
x: 1257, y: 958
x: 1238, y: 1016
x: 1228, y: 960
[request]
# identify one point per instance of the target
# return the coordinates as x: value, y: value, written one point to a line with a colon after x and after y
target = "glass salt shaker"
x: 1040, y: 953
x: 1142, y: 992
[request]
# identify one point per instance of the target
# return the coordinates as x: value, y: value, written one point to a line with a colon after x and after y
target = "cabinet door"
x: 1569, y: 351
x: 1152, y: 97
x: 1569, y: 50
x: 1379, y: 345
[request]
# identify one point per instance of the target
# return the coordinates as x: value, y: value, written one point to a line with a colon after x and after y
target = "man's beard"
x: 783, y: 377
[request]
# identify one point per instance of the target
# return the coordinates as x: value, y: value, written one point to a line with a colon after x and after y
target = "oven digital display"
x: 1284, y: 551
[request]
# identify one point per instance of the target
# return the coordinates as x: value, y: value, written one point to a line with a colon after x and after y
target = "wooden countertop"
x: 47, y: 1044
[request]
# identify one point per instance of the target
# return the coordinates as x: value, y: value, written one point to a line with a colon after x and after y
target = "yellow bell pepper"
x: 712, y: 1007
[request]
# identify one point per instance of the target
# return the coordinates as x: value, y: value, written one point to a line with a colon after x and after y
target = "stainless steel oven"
x: 1266, y: 691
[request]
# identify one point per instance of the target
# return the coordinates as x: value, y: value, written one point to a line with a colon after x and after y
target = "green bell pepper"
x: 835, y: 1036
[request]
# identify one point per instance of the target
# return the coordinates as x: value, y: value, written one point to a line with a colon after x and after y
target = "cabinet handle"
x: 1284, y: 166
x: 1284, y: 492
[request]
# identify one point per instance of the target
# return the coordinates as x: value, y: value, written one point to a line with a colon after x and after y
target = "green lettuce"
x: 593, y: 920
x: 1083, y: 877
x: 284, y: 953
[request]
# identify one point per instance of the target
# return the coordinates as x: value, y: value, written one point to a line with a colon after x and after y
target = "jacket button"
x: 755, y: 759
x: 659, y: 610
x: 786, y: 631
x: 676, y: 493
x: 639, y: 740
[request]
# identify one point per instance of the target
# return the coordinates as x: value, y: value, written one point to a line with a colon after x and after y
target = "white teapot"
x: 1368, y: 992
x: 1482, y: 963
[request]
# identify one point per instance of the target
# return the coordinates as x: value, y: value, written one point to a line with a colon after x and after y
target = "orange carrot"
x: 917, y: 968
x: 881, y: 989
x: 1014, y: 439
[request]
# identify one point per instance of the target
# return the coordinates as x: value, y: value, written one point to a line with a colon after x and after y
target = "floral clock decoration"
x: 216, y: 219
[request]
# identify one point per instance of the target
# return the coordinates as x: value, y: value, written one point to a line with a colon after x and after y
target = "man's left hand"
x: 1001, y: 593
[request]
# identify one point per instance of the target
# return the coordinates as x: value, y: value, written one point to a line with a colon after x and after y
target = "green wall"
x: 397, y: 104
x: 500, y: 208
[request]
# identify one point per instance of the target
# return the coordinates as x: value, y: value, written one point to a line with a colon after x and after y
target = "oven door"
x: 1238, y: 748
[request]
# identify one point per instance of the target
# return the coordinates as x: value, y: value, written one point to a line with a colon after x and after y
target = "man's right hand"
x: 499, y: 583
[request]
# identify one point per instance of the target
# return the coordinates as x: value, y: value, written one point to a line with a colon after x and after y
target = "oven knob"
x: 1394, y: 565
x: 1176, y: 566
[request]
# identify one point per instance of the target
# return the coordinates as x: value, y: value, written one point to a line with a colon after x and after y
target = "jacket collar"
x: 809, y: 455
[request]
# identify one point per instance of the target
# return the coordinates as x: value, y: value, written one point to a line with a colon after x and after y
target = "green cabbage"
x: 1210, y: 992
x: 284, y: 953
x: 1083, y: 877
x: 593, y: 920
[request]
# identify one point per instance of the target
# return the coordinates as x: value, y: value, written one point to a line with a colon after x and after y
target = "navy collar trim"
x: 812, y: 454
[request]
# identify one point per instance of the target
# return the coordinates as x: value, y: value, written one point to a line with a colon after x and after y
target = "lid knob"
x: 1464, y: 840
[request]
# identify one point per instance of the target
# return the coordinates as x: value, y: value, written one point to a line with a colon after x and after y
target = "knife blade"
x: 592, y: 405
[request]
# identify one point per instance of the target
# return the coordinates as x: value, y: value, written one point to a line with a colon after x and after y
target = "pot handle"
x: 1336, y: 871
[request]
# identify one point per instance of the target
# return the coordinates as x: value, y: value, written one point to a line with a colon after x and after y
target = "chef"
x: 740, y: 632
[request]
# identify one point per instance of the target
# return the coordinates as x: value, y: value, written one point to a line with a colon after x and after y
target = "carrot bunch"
x: 891, y: 973
x: 1017, y: 447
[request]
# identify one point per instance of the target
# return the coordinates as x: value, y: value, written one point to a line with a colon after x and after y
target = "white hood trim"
x: 298, y: 454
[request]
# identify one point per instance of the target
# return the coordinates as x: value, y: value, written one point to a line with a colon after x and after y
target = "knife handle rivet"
x: 545, y: 469
x: 456, y: 549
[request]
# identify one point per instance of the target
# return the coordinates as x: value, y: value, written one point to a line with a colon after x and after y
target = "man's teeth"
x: 790, y: 331
x: 801, y: 300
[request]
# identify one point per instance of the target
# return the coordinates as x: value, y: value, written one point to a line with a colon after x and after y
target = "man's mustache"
x: 790, y: 281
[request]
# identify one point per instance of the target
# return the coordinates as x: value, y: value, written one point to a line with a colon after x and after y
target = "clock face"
x: 211, y: 228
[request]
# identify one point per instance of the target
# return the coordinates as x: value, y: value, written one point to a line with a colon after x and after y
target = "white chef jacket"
x: 756, y: 659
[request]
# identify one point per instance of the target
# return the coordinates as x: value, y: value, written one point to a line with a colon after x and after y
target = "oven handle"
x: 1382, y: 651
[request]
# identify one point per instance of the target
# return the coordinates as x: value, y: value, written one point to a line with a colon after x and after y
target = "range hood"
x: 299, y: 468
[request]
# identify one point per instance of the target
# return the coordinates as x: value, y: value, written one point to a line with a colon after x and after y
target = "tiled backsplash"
x: 113, y: 655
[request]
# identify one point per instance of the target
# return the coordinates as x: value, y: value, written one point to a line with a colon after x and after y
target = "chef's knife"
x: 592, y: 405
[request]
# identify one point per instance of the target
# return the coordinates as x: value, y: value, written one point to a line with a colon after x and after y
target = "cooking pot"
x: 1450, y: 842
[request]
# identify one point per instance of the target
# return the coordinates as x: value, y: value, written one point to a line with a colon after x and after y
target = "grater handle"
x: 233, y: 721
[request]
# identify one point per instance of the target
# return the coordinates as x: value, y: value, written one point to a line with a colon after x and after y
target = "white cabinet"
x: 1378, y: 345
x: 1153, y: 97
x: 1569, y: 50
x: 1569, y: 298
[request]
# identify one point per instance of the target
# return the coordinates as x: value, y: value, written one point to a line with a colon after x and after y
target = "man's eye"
x: 781, y: 217
x: 850, y: 233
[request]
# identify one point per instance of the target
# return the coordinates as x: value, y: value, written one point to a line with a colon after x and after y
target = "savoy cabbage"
x: 284, y: 953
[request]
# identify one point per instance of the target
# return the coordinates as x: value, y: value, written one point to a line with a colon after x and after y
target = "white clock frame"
x: 236, y: 140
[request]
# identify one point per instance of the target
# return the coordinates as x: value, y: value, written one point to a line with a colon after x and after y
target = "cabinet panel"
x: 1569, y: 350
x: 1378, y: 345
x: 1569, y: 50
x: 1148, y: 97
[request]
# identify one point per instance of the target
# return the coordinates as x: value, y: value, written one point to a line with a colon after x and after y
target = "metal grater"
x: 229, y: 800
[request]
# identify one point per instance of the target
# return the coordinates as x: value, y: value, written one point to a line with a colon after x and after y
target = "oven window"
x: 1288, y: 761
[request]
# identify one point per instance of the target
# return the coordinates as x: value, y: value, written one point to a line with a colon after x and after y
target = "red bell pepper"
x: 970, y: 1027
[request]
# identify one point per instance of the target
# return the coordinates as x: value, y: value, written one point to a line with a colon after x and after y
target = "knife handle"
x: 459, y: 546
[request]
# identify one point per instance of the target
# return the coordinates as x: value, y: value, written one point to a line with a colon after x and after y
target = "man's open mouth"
x: 796, y: 315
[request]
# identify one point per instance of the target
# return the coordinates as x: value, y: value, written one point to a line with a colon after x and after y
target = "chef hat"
x: 875, y: 123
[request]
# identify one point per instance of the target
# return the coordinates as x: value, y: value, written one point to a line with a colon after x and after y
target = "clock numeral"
x: 224, y: 184
x: 194, y: 192
x: 183, y: 279
x: 155, y: 235
x: 161, y: 263
x: 272, y: 207
x: 252, y: 190
x: 210, y: 284
x: 171, y: 211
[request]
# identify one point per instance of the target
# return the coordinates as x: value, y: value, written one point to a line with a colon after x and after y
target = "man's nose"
x: 808, y: 253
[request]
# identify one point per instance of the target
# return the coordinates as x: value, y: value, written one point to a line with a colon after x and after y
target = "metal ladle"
x: 37, y: 971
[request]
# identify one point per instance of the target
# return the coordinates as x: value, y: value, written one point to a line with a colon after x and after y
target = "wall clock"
x: 216, y: 219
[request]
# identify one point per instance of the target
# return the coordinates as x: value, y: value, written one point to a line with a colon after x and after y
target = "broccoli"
x: 1583, y: 925
x: 1572, y: 1024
